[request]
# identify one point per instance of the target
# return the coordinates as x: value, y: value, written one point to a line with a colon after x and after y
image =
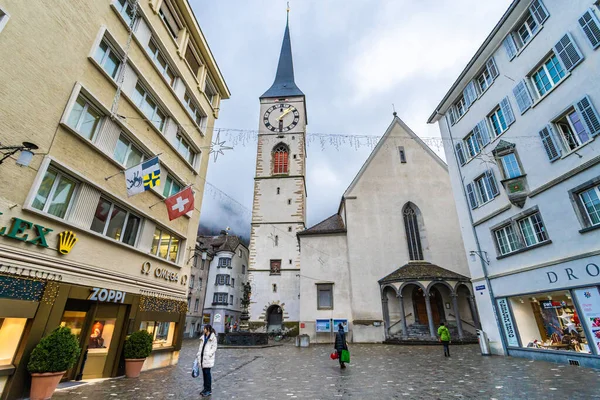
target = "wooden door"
x: 420, y: 307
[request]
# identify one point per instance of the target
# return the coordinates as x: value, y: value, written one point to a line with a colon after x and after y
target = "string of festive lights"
x: 22, y: 288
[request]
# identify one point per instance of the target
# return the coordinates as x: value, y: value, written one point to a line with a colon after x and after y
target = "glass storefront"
x: 162, y: 332
x: 11, y: 330
x: 550, y: 321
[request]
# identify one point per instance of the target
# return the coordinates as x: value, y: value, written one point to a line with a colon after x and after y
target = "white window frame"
x: 128, y: 152
x: 146, y: 95
x: 164, y: 71
x: 595, y: 189
x: 171, y: 236
x: 173, y: 15
x: 127, y: 215
x: 86, y: 107
x: 505, y: 168
x: 471, y: 138
x: 4, y: 17
x: 182, y: 142
x: 504, y: 234
x: 460, y: 105
x: 497, y: 113
x: 561, y: 134
x: 52, y: 191
x: 122, y: 7
x: 224, y: 262
x: 543, y: 67
x: 193, y: 109
x: 531, y: 32
x: 487, y: 78
x: 484, y: 190
x: 173, y: 180
x: 210, y: 90
x: 533, y: 225
x: 110, y: 49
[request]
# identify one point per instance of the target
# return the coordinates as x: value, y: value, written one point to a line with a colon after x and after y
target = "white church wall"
x: 376, y: 236
x: 324, y: 260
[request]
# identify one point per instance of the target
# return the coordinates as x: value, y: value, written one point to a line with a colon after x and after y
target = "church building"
x: 390, y: 263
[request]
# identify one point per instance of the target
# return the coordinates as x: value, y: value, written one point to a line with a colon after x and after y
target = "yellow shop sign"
x: 34, y: 234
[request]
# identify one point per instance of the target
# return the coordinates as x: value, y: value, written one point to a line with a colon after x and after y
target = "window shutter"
x: 491, y: 67
x: 460, y: 153
x: 510, y: 47
x: 483, y: 132
x: 539, y: 11
x: 591, y: 27
x: 568, y: 52
x: 489, y: 174
x: 590, y: 115
x: 523, y: 97
x: 471, y: 196
x: 470, y: 94
x: 550, y: 145
x: 507, y: 111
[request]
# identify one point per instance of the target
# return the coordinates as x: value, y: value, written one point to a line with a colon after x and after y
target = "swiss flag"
x: 180, y: 203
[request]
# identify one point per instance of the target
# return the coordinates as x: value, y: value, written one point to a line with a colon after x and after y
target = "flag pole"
x: 123, y: 171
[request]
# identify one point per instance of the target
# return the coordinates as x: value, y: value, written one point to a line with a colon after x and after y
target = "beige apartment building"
x: 98, y: 87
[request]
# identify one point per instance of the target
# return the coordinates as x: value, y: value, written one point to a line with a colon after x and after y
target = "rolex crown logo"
x: 66, y: 241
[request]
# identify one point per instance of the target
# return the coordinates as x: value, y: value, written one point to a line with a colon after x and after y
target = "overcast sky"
x: 352, y: 60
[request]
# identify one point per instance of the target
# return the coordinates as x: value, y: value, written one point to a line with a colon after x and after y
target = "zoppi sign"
x: 574, y: 273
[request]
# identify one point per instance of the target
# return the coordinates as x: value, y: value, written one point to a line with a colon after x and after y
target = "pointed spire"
x: 284, y: 84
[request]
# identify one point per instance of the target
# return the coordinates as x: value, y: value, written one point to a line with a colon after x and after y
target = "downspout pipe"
x: 477, y: 244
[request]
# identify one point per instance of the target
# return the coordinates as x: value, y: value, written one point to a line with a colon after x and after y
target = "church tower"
x: 279, y: 208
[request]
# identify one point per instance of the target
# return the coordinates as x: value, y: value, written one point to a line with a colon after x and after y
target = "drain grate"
x: 573, y: 362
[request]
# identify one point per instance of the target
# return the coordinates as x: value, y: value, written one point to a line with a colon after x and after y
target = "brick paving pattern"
x: 376, y: 372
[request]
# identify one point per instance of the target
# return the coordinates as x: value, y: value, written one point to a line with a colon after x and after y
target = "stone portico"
x: 419, y: 295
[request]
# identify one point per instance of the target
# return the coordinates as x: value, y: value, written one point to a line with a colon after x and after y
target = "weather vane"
x: 217, y: 147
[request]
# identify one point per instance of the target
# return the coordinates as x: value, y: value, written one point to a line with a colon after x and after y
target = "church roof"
x: 333, y: 224
x: 422, y: 270
x: 284, y: 84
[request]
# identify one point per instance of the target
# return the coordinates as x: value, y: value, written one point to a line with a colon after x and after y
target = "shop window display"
x: 549, y: 321
x: 101, y: 336
x: 162, y: 332
x: 73, y: 320
x: 11, y: 330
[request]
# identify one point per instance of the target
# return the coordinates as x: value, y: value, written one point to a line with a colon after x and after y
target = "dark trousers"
x: 207, y: 379
x: 342, y: 365
x: 446, y: 344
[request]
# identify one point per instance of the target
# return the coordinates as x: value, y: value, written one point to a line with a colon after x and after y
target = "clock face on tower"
x: 281, y: 117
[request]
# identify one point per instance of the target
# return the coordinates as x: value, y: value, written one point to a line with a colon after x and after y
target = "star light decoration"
x: 217, y: 147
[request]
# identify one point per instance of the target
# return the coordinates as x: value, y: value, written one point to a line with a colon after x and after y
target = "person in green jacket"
x: 444, y: 335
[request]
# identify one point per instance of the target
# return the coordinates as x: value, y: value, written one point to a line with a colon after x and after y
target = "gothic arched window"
x: 413, y: 236
x: 280, y: 159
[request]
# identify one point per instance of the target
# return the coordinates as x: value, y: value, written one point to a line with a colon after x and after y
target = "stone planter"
x: 43, y: 385
x: 133, y: 367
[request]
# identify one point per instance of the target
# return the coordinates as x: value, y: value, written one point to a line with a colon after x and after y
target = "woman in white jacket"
x: 206, y: 357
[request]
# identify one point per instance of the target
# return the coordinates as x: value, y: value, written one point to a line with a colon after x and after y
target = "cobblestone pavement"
x: 376, y: 372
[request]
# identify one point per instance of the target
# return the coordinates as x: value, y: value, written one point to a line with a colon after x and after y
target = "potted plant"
x: 137, y: 347
x: 50, y: 359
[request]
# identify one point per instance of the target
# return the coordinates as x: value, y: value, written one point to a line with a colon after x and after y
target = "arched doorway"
x: 420, y: 309
x: 274, y: 318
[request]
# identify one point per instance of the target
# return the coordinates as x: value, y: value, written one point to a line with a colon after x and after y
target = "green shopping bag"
x: 345, y: 356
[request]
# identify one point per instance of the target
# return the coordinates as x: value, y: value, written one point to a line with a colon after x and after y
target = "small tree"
x: 55, y: 353
x: 138, y: 345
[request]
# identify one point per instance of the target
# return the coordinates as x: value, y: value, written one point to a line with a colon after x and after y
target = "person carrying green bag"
x: 341, y: 346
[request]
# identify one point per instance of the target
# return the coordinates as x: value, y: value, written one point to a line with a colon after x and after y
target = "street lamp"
x: 25, y: 156
x: 481, y: 255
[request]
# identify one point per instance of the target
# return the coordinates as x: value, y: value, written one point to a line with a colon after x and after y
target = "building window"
x: 278, y: 190
x: 200, y: 284
x: 126, y: 153
x: 220, y: 298
x: 185, y: 149
x: 3, y: 19
x: 192, y: 278
x: 161, y: 62
x: 473, y: 144
x: 324, y: 296
x: 202, y: 264
x: 116, y: 222
x: 276, y: 241
x: 289, y: 228
x: 402, y: 154
x: 526, y: 29
x: 547, y: 321
x: 413, y: 236
x: 290, y: 262
x: 289, y: 202
x: 510, y: 166
x: 192, y: 61
x: 232, y: 282
x: 548, y: 75
x: 525, y: 32
x: 149, y: 107
x: 108, y: 59
x: 189, y: 304
x: 168, y: 17
x: 55, y: 193
x: 196, y: 305
x: 274, y: 288
x: 171, y: 186
x: 487, y: 76
x: 165, y: 245
x: 586, y: 199
x: 280, y: 159
x: 243, y: 269
x: 193, y: 109
x: 482, y: 189
x: 460, y: 107
x: 591, y: 201
x: 84, y: 118
x: 162, y: 332
x: 210, y: 91
x: 222, y: 279
x: 231, y: 299
x: 275, y: 267
x: 572, y: 131
x: 224, y: 262
x: 125, y: 8
x: 521, y: 232
x: 498, y: 121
